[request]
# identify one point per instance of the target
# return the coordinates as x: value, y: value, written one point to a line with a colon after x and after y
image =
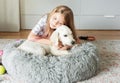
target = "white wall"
x: 89, y: 14
x: 100, y: 14
x: 32, y: 10
x: 9, y: 15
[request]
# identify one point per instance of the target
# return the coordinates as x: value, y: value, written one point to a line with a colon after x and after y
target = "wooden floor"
x: 98, y: 34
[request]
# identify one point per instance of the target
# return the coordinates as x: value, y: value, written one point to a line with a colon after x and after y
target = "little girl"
x: 61, y: 15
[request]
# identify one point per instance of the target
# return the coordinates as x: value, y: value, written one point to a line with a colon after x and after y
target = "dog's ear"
x: 55, y: 38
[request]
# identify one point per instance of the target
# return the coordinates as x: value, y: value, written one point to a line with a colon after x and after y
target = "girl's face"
x: 56, y: 20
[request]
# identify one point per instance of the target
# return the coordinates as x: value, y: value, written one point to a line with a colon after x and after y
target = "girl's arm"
x: 37, y: 38
x: 32, y: 36
x: 38, y: 30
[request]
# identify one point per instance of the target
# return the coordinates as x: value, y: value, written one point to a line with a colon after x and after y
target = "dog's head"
x: 64, y: 35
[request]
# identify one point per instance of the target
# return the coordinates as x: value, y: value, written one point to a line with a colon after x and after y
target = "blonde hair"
x: 68, y: 16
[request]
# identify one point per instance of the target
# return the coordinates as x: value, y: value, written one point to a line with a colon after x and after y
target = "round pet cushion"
x: 82, y: 64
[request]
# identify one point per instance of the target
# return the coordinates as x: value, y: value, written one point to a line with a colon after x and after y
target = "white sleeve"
x: 38, y: 29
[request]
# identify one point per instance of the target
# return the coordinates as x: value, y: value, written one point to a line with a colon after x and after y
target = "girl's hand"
x: 65, y: 47
x: 61, y: 47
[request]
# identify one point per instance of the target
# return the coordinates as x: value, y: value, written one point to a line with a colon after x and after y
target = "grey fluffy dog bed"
x: 28, y: 68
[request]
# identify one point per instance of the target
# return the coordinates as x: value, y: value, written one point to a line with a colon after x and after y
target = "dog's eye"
x: 65, y: 35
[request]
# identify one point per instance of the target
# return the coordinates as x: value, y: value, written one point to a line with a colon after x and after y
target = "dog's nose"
x: 73, y: 42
